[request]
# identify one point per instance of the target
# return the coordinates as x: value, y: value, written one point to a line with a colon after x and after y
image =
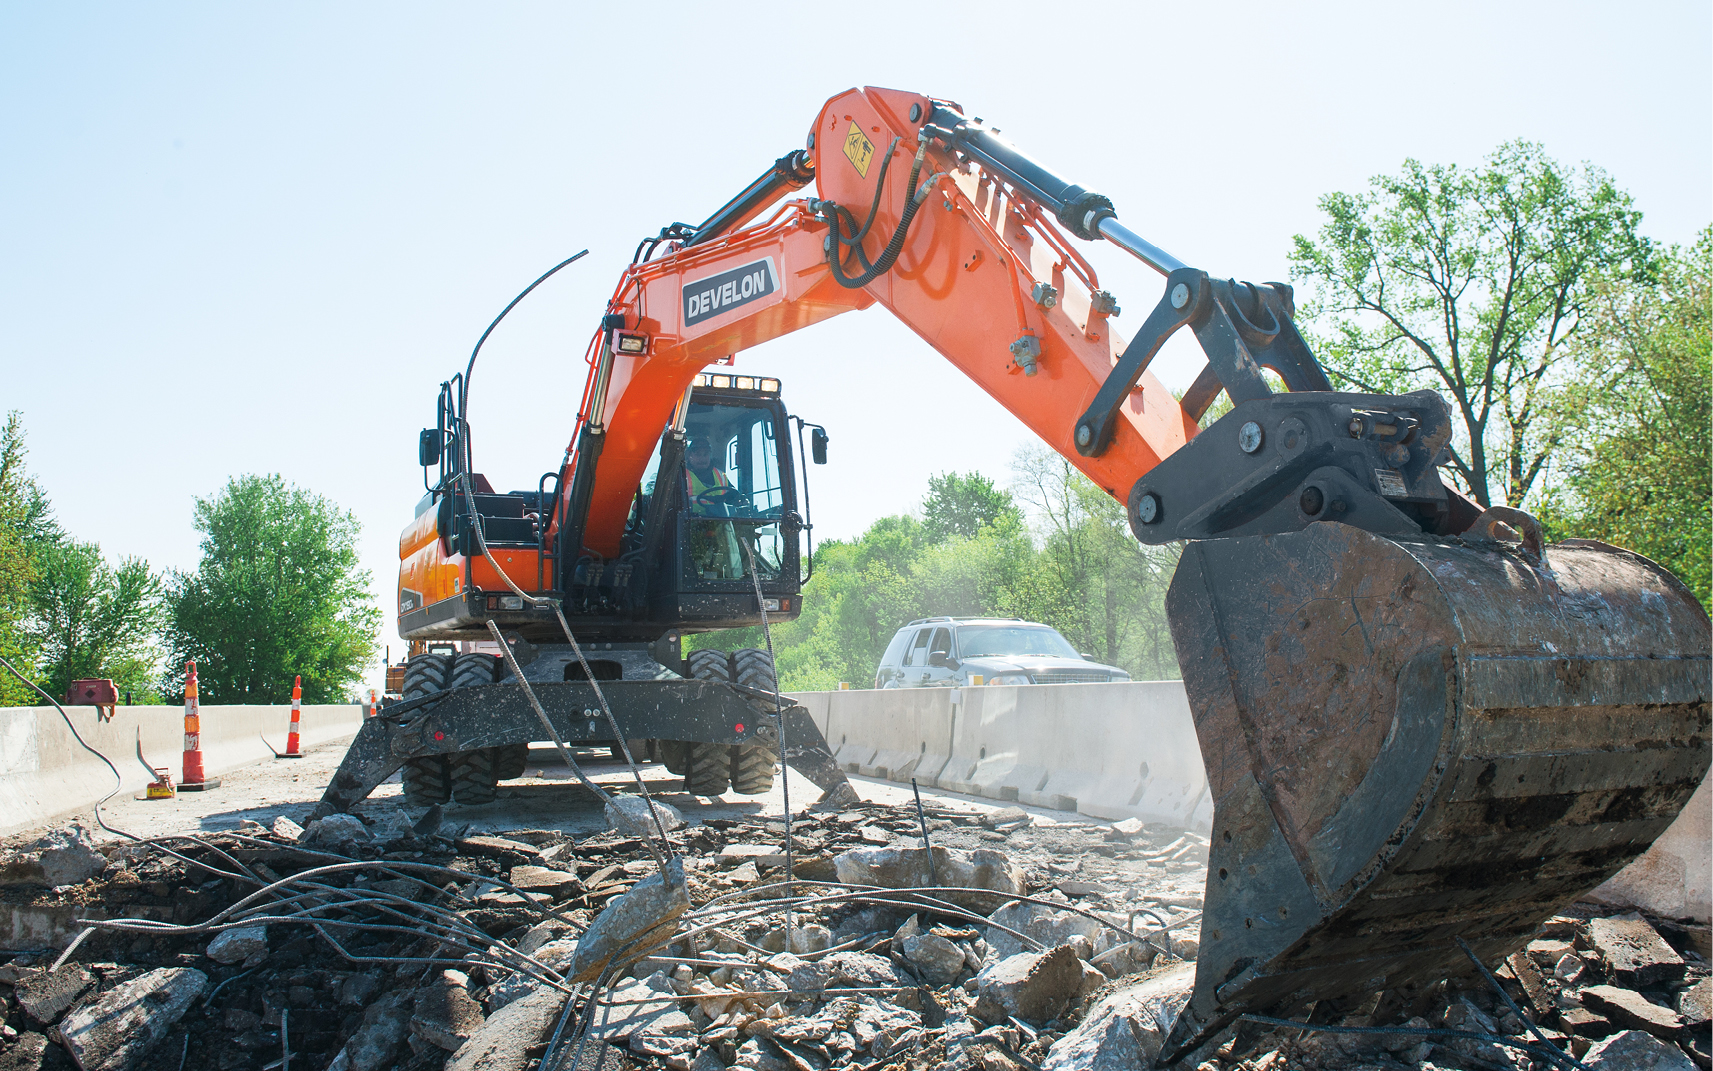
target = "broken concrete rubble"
x: 630, y: 815
x: 908, y: 868
x: 1128, y: 1027
x: 626, y: 929
x: 117, y: 1029
x: 61, y: 857
x: 1033, y: 986
x: 445, y: 1014
x: 1635, y: 1050
x: 731, y: 995
x: 238, y: 944
x: 1632, y: 952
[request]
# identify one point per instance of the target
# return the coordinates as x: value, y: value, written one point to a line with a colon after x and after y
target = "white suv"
x: 946, y: 651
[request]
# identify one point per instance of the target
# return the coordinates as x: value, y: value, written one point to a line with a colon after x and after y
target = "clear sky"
x: 255, y: 237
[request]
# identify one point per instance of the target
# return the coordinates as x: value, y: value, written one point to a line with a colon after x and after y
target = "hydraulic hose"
x: 836, y: 240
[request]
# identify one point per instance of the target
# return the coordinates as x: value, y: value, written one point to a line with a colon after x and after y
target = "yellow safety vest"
x: 694, y: 486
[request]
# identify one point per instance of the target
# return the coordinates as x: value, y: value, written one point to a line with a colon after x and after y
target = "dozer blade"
x: 1411, y: 741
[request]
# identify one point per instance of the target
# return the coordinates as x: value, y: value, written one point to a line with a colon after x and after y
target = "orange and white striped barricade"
x: 195, y: 779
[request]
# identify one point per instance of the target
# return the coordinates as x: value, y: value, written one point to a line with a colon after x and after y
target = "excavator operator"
x: 703, y: 480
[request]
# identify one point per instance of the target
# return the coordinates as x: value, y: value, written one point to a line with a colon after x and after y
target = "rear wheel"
x: 752, y: 764
x: 704, y: 772
x: 427, y: 780
x: 475, y: 774
x: 510, y: 760
x: 709, y: 769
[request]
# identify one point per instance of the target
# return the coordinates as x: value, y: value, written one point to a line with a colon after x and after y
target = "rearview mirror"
x: 818, y: 445
x: 942, y: 660
x: 428, y: 447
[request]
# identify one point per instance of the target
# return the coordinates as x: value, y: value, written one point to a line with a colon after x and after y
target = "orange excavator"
x: 1421, y: 726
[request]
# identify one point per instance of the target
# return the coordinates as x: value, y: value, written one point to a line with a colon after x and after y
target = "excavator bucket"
x: 1410, y: 741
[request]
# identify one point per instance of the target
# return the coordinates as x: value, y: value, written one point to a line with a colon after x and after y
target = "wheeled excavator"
x: 1421, y: 726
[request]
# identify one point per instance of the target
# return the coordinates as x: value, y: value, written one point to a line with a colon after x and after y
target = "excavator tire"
x: 676, y: 754
x: 752, y: 764
x: 1412, y: 741
x: 709, y: 769
x: 510, y: 761
x: 474, y: 779
x: 427, y: 780
x: 475, y: 774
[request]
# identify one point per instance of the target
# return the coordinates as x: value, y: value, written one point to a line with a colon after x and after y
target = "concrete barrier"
x: 1104, y: 750
x: 886, y: 733
x: 45, y: 774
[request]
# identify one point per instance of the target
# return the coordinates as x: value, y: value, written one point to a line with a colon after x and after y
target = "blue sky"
x: 255, y: 238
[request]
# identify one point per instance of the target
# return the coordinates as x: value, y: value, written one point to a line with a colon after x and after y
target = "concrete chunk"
x: 621, y: 1020
x: 238, y: 944
x: 113, y: 1032
x: 1045, y: 924
x: 1633, y: 953
x: 629, y: 815
x: 48, y: 994
x: 505, y: 1041
x: 26, y: 1054
x: 61, y: 857
x: 859, y: 969
x: 906, y: 868
x: 1695, y: 1004
x: 1634, y: 1050
x: 336, y: 833
x: 629, y: 924
x: 286, y: 829
x: 1033, y: 986
x: 446, y: 1015
x: 1629, y: 1009
x: 372, y: 1045
x: 544, y: 880
x: 935, y: 960
x: 1126, y: 1029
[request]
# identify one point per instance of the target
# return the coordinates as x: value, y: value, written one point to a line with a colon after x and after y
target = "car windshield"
x: 999, y: 641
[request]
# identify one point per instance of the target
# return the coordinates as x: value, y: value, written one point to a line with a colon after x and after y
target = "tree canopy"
x: 278, y: 593
x: 1640, y: 464
x: 1473, y: 282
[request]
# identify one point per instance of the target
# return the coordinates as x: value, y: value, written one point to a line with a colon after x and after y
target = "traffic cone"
x: 293, y: 740
x: 194, y: 779
x: 374, y: 704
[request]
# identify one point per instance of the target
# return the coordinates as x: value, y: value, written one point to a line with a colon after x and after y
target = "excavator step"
x: 1410, y: 741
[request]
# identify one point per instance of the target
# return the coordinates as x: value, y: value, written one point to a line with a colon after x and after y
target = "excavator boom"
x: 1419, y: 724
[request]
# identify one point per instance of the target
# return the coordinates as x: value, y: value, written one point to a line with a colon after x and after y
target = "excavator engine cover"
x: 1411, y: 740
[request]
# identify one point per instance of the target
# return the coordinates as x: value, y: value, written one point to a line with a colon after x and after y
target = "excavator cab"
x: 730, y: 514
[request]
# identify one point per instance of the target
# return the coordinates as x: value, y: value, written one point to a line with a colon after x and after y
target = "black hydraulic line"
x: 835, y: 240
x: 464, y: 392
x: 793, y: 171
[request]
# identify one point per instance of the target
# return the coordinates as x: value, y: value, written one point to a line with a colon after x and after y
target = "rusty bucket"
x: 1410, y: 741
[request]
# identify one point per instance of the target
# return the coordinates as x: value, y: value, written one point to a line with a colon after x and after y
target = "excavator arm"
x: 1420, y: 725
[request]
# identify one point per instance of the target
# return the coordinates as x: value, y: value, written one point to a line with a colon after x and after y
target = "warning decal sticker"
x: 859, y: 149
x: 709, y: 297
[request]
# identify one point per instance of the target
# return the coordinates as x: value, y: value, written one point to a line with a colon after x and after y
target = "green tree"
x: 1093, y: 581
x: 961, y: 504
x: 26, y: 524
x: 278, y: 593
x: 89, y: 619
x: 1473, y: 282
x: 1640, y: 473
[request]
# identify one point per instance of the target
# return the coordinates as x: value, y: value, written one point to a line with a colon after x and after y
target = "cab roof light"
x: 744, y: 383
x: 770, y: 385
x: 719, y: 381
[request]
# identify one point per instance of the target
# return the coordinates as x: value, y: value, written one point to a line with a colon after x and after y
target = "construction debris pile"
x: 357, y: 945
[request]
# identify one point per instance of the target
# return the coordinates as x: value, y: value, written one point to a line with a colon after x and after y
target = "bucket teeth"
x: 1411, y: 741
